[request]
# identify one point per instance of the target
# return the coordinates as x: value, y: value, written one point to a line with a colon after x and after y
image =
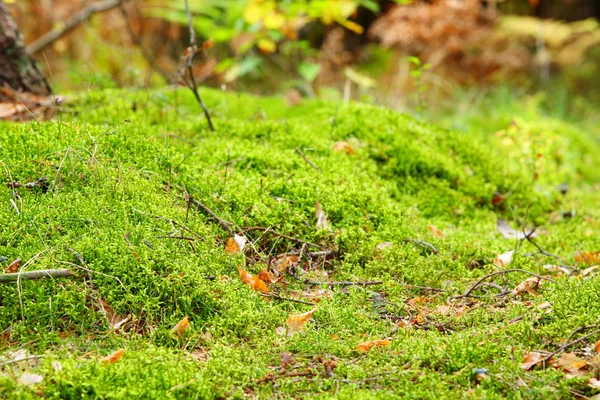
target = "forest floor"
x: 311, y: 251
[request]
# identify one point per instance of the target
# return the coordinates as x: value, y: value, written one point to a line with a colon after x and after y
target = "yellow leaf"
x: 266, y: 45
x: 181, y: 327
x: 114, y: 357
x: 274, y: 20
x: 253, y: 13
x: 364, y: 347
x: 353, y: 26
x: 253, y: 281
x: 345, y: 147
x: 295, y: 322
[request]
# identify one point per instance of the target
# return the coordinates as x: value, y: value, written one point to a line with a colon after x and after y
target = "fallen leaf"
x: 528, y: 285
x: 295, y: 322
x: 557, y: 269
x: 384, y: 245
x: 14, y: 266
x: 317, y: 294
x: 286, y: 359
x: 452, y: 310
x: 597, y: 346
x: 115, y: 321
x: 531, y: 359
x: 589, y: 271
x: 253, y: 281
x: 595, y: 383
x: 587, y: 257
x: 265, y: 275
x: 544, y: 305
x: 572, y: 364
x: 235, y: 244
x: 508, y: 232
x: 344, y: 146
x: 321, y: 216
x: 502, y: 260
x: 364, y: 347
x: 114, y: 357
x: 436, y: 232
x: 30, y: 379
x: 182, y: 326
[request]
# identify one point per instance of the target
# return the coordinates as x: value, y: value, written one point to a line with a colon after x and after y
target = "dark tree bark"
x: 17, y: 69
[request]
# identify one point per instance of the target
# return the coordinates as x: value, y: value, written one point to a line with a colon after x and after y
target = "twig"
x: 277, y: 297
x: 224, y: 224
x: 4, y: 364
x: 189, y: 57
x: 145, y: 53
x: 506, y: 271
x: 281, y: 235
x: 427, y: 245
x: 570, y: 344
x: 83, y: 15
x: 301, y: 154
x: 32, y: 275
x: 344, y: 283
x: 79, y: 257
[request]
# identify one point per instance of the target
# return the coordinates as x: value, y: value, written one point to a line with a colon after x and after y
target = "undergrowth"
x: 113, y: 209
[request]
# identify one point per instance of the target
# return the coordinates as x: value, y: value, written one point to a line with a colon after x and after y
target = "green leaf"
x: 309, y: 71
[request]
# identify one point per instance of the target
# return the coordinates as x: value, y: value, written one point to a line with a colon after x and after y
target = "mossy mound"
x: 114, y: 208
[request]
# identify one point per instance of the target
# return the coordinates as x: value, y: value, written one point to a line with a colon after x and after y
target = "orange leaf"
x: 265, y: 275
x: 235, y: 244
x: 571, y: 363
x: 587, y: 257
x: 253, y: 281
x: 436, y: 232
x: 114, y: 357
x: 364, y: 347
x: 208, y: 44
x: 295, y: 322
x: 597, y: 347
x: 345, y: 147
x: 14, y: 266
x: 531, y: 359
x: 181, y: 326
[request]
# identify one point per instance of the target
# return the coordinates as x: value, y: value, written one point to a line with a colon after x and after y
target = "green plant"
x: 417, y: 73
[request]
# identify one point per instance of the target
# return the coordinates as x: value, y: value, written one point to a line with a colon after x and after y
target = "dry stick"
x: 188, y: 67
x: 301, y: 154
x: 4, y: 364
x: 145, y: 53
x: 344, y: 283
x: 277, y: 297
x: 83, y: 15
x: 224, y: 224
x: 88, y: 274
x: 570, y: 344
x: 32, y: 275
x: 281, y: 235
x: 427, y: 245
x: 506, y: 271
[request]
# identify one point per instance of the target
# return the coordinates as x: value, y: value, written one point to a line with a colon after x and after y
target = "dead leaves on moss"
x: 366, y: 346
x: 254, y: 282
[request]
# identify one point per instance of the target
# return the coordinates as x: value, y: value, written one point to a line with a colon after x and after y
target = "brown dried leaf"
x: 182, y: 326
x: 344, y: 146
x: 528, y: 285
x: 266, y: 276
x: 587, y: 257
x: 321, y: 216
x: 364, y: 347
x: 557, y: 269
x: 452, y: 310
x: 572, y: 364
x: 113, y: 357
x: 295, y: 322
x: 253, y: 281
x: 14, y: 266
x: 508, y: 232
x: 436, y: 232
x: 317, y: 294
x: 235, y: 244
x: 531, y: 359
x: 115, y: 321
x: 590, y: 271
x: 504, y: 259
x: 286, y: 359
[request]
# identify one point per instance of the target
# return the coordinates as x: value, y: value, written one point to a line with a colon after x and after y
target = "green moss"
x: 116, y: 167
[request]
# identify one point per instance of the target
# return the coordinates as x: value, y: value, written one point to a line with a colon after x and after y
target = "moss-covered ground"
x: 114, y: 210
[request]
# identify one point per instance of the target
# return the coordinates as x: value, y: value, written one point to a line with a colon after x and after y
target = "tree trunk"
x: 17, y: 69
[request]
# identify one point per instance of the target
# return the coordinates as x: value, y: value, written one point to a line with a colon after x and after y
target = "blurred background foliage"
x: 338, y: 49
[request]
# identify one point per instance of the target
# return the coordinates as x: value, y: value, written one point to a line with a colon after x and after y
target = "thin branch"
x: 4, y: 364
x: 506, y: 271
x: 224, y: 224
x: 189, y: 58
x: 570, y: 344
x: 32, y: 275
x: 301, y: 154
x: 80, y: 17
x: 427, y: 245
x: 145, y: 53
x: 277, y: 297
x: 281, y: 235
x: 344, y: 283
